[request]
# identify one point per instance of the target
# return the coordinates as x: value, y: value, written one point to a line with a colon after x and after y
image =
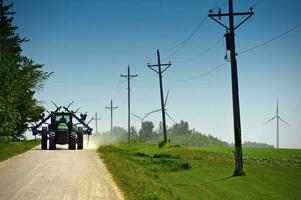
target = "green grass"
x: 10, y: 149
x: 144, y: 171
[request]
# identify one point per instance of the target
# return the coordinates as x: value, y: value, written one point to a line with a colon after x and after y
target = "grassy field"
x: 144, y: 171
x: 10, y: 149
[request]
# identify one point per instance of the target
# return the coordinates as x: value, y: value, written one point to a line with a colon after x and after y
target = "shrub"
x: 186, y: 165
x: 141, y: 154
x: 162, y: 155
x: 162, y: 144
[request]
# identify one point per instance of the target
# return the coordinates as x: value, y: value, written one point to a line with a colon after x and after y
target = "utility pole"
x: 111, y: 108
x: 129, y: 76
x: 160, y: 72
x: 96, y: 119
x: 230, y: 43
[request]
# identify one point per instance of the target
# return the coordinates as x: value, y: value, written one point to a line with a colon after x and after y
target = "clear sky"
x: 88, y: 44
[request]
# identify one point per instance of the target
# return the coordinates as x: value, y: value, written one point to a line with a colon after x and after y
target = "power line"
x: 181, y: 44
x: 147, y: 90
x: 256, y: 3
x: 84, y: 82
x: 118, y: 85
x: 202, y: 53
x: 270, y: 40
x: 218, y: 5
x: 83, y: 88
x: 202, y: 75
x: 252, y: 6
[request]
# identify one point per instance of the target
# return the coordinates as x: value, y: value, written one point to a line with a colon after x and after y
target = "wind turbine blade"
x: 268, y: 121
x: 136, y: 116
x: 166, y: 99
x: 284, y: 121
x: 147, y: 114
x: 170, y: 118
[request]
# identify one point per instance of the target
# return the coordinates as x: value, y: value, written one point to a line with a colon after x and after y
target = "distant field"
x: 10, y: 149
x: 144, y: 171
x: 269, y: 156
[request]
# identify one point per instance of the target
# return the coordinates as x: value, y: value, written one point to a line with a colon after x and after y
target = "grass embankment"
x: 10, y: 149
x: 144, y: 171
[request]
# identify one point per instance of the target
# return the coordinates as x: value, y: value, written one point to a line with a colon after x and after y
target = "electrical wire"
x: 270, y: 40
x: 183, y: 43
x: 201, y: 54
x: 84, y: 88
x: 146, y: 91
x: 218, y: 5
x: 84, y: 82
x: 256, y: 3
x: 252, y: 6
x: 202, y: 75
x: 117, y: 90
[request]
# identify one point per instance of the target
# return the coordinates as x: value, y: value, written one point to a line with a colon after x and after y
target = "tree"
x: 181, y: 128
x: 20, y: 78
x: 146, y: 131
x: 160, y: 128
x: 134, y: 133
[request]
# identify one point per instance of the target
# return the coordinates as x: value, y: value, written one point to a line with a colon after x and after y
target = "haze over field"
x: 88, y: 52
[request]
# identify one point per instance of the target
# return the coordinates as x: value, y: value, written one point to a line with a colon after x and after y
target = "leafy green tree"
x: 146, y: 131
x: 160, y: 128
x: 181, y: 128
x: 32, y: 77
x: 134, y: 133
x: 20, y: 78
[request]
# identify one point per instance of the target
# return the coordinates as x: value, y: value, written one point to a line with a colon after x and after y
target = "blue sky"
x: 88, y: 44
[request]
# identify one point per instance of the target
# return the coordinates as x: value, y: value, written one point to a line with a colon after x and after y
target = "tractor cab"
x: 62, y: 121
x: 62, y: 126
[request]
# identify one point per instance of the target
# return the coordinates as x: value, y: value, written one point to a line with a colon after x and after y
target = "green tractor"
x: 62, y: 129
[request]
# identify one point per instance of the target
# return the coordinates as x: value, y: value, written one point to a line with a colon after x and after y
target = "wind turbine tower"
x: 277, y: 117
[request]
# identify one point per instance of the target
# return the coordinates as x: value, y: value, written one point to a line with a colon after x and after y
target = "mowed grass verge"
x: 10, y: 149
x: 144, y: 171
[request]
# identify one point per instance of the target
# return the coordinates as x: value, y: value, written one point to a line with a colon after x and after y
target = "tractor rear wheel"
x: 72, y: 141
x: 44, y: 141
x: 80, y: 138
x: 52, y: 144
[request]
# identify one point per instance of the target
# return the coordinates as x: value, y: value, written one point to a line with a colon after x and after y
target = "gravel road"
x: 60, y: 174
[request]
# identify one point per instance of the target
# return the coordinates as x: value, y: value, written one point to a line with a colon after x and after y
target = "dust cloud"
x: 95, y: 140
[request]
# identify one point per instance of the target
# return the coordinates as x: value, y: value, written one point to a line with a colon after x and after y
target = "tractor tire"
x: 44, y: 141
x: 72, y: 141
x: 80, y: 138
x: 52, y: 143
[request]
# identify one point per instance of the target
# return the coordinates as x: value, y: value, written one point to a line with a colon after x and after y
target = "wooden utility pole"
x: 111, y: 108
x: 129, y: 76
x: 230, y: 41
x: 96, y: 119
x: 160, y: 72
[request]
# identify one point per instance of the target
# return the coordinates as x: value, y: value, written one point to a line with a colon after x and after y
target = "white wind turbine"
x: 143, y: 118
x: 173, y: 121
x: 147, y: 114
x: 277, y: 117
x: 165, y: 102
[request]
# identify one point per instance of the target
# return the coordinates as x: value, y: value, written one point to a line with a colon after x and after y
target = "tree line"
x: 178, y: 133
x: 20, y: 79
